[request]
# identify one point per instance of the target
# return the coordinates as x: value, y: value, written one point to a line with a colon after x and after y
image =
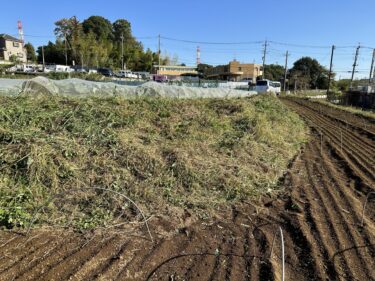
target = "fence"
x: 359, y: 99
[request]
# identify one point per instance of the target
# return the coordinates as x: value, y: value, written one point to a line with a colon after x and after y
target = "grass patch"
x: 355, y: 110
x: 305, y: 93
x: 162, y: 153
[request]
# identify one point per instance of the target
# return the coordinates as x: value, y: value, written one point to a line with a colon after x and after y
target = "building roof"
x: 10, y: 38
x: 176, y: 66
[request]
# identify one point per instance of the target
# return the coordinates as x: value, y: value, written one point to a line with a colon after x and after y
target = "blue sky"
x: 310, y: 23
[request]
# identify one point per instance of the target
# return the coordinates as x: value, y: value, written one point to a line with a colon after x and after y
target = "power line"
x: 299, y: 45
x: 224, y: 43
x: 211, y: 43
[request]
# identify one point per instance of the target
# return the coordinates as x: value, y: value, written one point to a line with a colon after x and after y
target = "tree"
x: 310, y: 73
x: 121, y: 28
x: 174, y: 60
x: 53, y: 52
x: 31, y: 56
x: 202, y: 67
x: 98, y: 42
x: 274, y: 72
x: 101, y: 27
x: 148, y: 59
x: 14, y: 59
x: 69, y: 29
x: 344, y: 84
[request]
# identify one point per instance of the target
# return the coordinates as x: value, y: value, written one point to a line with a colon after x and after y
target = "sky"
x: 303, y: 27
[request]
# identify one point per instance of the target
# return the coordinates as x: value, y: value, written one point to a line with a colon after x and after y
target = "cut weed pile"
x: 165, y: 154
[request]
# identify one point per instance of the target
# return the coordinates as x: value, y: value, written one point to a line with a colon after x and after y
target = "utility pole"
x: 66, y: 51
x: 286, y: 69
x: 264, y: 57
x: 354, y: 65
x: 159, y: 51
x: 44, y: 63
x: 372, y: 67
x: 122, y: 51
x: 330, y: 69
x: 82, y: 64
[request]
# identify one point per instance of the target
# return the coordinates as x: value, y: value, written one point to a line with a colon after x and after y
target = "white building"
x: 11, y: 46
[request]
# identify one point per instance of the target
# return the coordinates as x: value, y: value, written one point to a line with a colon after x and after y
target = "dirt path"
x: 320, y: 215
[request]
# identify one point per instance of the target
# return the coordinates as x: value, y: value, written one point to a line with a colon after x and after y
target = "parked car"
x: 80, y: 70
x: 143, y: 75
x: 106, y: 72
x: 267, y: 86
x: 160, y: 78
x: 126, y: 74
x: 58, y: 68
x: 26, y: 68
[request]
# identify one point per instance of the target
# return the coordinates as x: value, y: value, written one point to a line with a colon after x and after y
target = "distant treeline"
x: 96, y: 42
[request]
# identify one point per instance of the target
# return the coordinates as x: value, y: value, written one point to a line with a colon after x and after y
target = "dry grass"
x: 162, y: 153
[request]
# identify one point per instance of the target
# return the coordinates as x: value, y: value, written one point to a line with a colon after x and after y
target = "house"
x: 11, y: 46
x: 174, y: 70
x: 235, y: 71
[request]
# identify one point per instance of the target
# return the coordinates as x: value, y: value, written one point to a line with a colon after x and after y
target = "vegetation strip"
x: 165, y: 154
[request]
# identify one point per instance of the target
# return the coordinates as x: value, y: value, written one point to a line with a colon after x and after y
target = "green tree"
x: 148, y: 59
x: 98, y: 42
x: 101, y: 27
x: 14, y: 59
x: 31, y: 56
x: 274, y: 72
x: 53, y: 52
x: 121, y: 28
x: 344, y: 84
x: 310, y: 73
x: 69, y: 29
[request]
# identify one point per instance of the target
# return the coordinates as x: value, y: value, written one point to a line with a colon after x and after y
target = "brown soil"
x: 319, y: 213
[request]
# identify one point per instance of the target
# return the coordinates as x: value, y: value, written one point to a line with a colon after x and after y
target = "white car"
x: 126, y: 74
x: 58, y: 68
x: 26, y: 68
x: 267, y: 86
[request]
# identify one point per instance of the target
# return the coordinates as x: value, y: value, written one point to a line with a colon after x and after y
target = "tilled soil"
x: 319, y: 213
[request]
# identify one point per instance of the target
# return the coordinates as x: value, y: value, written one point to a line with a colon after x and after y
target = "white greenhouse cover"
x: 83, y: 88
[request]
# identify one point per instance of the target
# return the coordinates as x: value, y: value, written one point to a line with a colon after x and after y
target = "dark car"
x: 105, y: 71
